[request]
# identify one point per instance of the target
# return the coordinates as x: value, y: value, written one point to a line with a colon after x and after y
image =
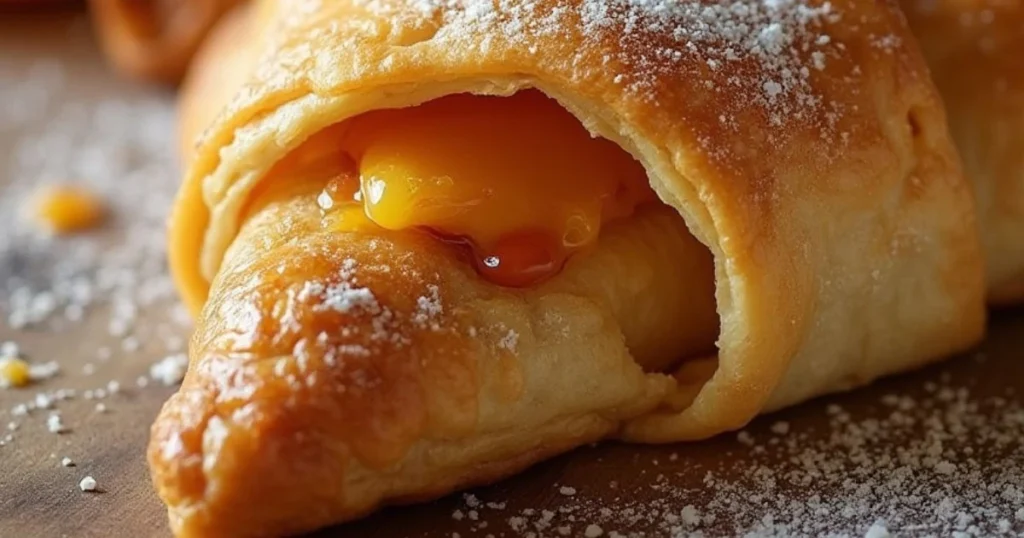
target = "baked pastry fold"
x: 810, y: 220
x: 974, y: 51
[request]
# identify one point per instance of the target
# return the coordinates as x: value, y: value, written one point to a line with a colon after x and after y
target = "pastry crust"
x: 332, y: 372
x: 974, y: 50
x: 809, y: 156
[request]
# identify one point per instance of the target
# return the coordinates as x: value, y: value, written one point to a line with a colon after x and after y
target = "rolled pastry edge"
x: 299, y: 414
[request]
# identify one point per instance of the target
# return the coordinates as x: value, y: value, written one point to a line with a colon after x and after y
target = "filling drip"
x: 516, y: 181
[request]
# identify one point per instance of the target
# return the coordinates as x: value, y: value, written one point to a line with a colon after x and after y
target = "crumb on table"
x: 66, y: 209
x: 87, y: 484
x: 13, y: 372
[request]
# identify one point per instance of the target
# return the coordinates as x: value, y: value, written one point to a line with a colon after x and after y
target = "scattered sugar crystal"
x: 689, y: 516
x: 170, y: 370
x: 342, y: 297
x: 43, y: 401
x: 130, y: 344
x: 509, y: 341
x: 878, y: 530
x: 87, y: 484
x: 43, y: 371
x: 10, y: 349
x: 54, y: 424
x: 428, y: 306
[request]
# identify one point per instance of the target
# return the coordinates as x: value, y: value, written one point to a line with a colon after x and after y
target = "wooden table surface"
x: 822, y: 467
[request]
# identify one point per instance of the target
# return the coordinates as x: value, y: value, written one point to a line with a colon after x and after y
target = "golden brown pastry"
x: 155, y: 39
x: 432, y: 243
x: 975, y: 49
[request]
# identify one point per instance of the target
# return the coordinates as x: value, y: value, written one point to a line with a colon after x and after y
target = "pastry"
x: 974, y: 50
x: 155, y: 39
x: 430, y: 243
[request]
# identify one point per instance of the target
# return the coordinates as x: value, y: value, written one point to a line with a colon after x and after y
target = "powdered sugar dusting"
x: 885, y: 473
x: 428, y: 308
x: 116, y: 148
x: 766, y: 51
x: 66, y: 121
x: 779, y: 35
x: 343, y: 293
x: 510, y: 341
x: 342, y: 297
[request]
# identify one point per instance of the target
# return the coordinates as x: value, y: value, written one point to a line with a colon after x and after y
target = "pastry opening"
x: 516, y: 181
x: 522, y: 191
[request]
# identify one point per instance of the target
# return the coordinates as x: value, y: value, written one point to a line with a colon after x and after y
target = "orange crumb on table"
x: 14, y: 372
x: 66, y: 209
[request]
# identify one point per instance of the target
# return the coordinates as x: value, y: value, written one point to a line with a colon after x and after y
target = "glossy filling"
x: 516, y: 181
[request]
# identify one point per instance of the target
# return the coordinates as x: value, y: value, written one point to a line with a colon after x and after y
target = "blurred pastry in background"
x: 974, y: 49
x: 156, y: 39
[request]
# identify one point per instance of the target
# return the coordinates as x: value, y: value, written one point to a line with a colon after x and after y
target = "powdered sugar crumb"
x: 88, y: 484
x: 343, y: 297
x: 878, y: 530
x: 169, y: 371
x: 689, y: 516
x: 510, y: 341
x: 428, y: 308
